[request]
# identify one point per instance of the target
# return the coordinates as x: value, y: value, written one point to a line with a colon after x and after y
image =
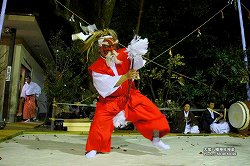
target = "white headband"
x: 100, y: 41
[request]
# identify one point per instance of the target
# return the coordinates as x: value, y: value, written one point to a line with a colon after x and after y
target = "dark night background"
x: 173, y: 19
x: 164, y: 23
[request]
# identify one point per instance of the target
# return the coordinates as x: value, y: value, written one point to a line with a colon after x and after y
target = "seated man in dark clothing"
x: 211, y: 121
x: 185, y: 121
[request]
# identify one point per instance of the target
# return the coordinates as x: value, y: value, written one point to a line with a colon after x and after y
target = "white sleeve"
x: 139, y: 62
x: 37, y: 90
x: 23, y: 94
x: 105, y: 84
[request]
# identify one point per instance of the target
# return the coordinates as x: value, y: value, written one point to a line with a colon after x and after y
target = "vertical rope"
x: 136, y: 33
x: 139, y: 18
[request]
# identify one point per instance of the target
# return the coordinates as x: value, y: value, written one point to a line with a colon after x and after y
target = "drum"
x: 238, y: 115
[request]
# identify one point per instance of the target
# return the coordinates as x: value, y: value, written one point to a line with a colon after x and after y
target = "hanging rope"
x: 188, y: 34
x: 182, y: 75
x: 138, y: 26
x: 247, y: 10
x: 72, y: 12
x: 137, y: 31
x: 245, y: 7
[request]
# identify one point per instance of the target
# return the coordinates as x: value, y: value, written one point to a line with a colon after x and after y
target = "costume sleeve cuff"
x: 105, y: 84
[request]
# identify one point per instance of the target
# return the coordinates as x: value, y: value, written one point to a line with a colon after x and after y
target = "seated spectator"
x: 185, y: 122
x: 213, y: 122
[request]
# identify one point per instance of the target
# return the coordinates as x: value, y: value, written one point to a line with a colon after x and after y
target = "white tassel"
x: 79, y: 36
x: 88, y: 30
x: 92, y: 28
x: 84, y: 28
x: 137, y: 47
x: 119, y: 120
x: 71, y: 19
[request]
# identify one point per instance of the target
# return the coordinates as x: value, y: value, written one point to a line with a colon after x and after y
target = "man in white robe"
x: 29, y: 93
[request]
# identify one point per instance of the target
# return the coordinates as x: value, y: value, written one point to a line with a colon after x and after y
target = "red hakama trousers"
x: 138, y: 109
x: 29, y: 110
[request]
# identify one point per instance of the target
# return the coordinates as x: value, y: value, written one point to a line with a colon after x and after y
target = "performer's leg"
x: 99, y: 138
x: 157, y: 141
x: 146, y: 117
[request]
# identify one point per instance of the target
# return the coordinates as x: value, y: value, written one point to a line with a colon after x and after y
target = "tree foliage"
x: 66, y: 78
x: 213, y: 67
x: 205, y: 65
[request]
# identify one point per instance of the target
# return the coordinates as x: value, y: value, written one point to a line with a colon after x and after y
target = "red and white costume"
x: 29, y: 92
x: 138, y: 108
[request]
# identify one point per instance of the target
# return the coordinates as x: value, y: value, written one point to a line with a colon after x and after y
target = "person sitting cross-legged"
x: 212, y: 122
x: 185, y: 121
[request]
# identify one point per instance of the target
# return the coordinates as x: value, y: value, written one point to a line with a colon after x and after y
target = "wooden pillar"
x: 53, y: 114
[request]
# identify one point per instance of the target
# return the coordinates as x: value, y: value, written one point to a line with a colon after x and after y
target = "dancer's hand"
x: 132, y: 74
